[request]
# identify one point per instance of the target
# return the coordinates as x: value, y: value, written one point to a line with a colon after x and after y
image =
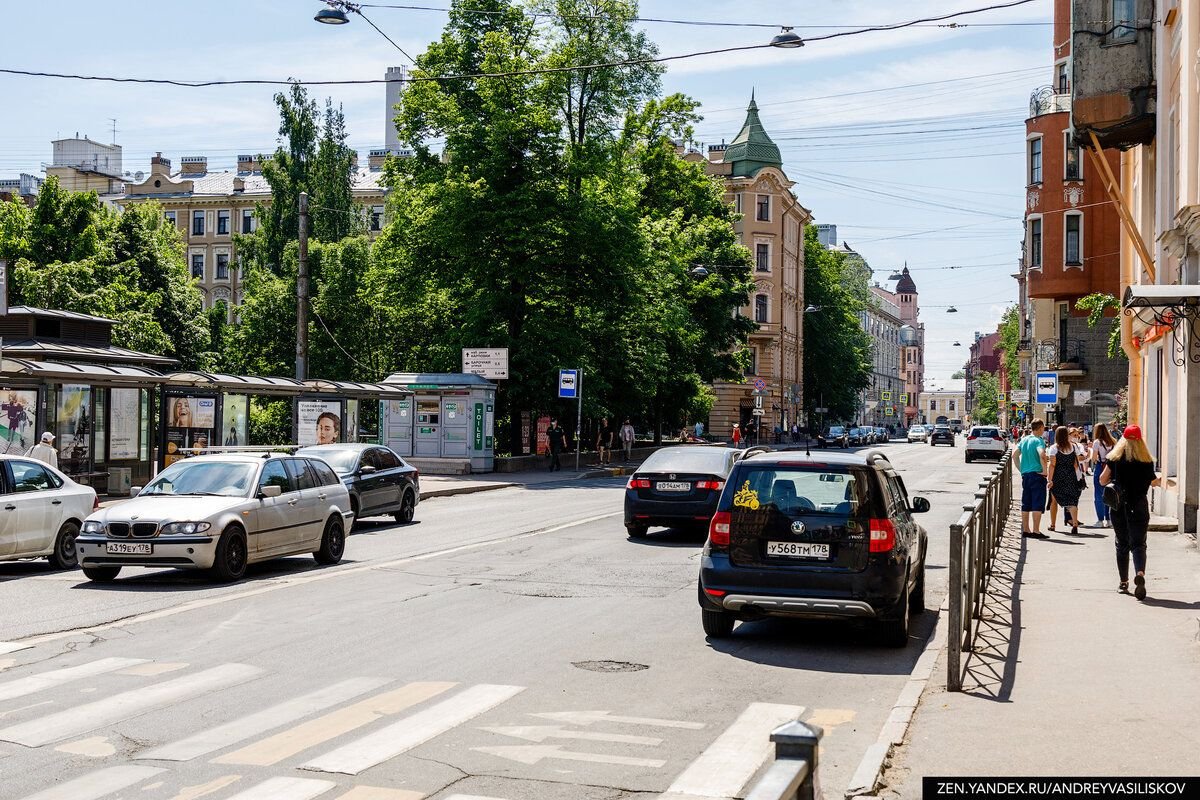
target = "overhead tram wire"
x: 508, y: 74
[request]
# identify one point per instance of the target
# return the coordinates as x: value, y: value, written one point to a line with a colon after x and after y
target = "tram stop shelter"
x: 447, y: 426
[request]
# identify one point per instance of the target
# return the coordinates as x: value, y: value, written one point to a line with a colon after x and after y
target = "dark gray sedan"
x: 380, y: 482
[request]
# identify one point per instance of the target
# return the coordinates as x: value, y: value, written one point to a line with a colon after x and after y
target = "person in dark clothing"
x: 604, y: 441
x: 1131, y: 470
x: 558, y: 443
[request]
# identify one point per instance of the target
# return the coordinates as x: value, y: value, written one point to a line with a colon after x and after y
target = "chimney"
x: 376, y: 158
x: 354, y: 159
x: 716, y: 152
x: 239, y: 185
x: 392, y: 90
x: 159, y: 165
x: 248, y: 164
x: 193, y: 165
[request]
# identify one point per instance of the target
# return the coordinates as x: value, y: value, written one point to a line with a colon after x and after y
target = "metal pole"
x: 955, y: 622
x: 302, y: 294
x: 578, y: 417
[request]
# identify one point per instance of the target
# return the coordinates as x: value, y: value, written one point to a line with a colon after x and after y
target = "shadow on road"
x: 673, y: 537
x: 991, y: 666
x: 137, y: 579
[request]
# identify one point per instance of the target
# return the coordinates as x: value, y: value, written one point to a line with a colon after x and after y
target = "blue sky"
x: 910, y: 141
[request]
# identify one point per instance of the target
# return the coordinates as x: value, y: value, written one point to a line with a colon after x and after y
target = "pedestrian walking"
x: 698, y: 429
x: 1130, y: 469
x: 44, y: 450
x: 627, y: 435
x: 1065, y: 476
x: 558, y: 443
x: 1030, y: 457
x: 1101, y: 447
x: 737, y: 435
x: 604, y: 441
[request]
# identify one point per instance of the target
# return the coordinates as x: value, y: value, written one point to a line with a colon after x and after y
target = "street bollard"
x: 793, y: 776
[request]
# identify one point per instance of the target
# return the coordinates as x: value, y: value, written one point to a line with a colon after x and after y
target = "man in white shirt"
x: 44, y: 450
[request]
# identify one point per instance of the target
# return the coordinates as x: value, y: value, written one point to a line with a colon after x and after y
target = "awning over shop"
x: 1161, y: 296
x: 80, y: 373
x: 1166, y: 310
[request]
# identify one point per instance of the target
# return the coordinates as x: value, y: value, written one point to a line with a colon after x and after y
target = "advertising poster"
x: 351, y: 421
x: 235, y: 421
x: 18, y: 421
x: 124, y: 423
x: 543, y: 437
x: 318, y: 422
x: 74, y: 428
x: 191, y: 425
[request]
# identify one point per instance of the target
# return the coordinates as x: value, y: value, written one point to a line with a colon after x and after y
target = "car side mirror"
x: 919, y: 505
x: 270, y: 491
x: 134, y: 491
x: 366, y: 469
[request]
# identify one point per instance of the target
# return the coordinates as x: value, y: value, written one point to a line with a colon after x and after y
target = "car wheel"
x: 967, y: 459
x: 101, y: 574
x: 229, y: 564
x: 65, y: 555
x: 916, y: 601
x: 636, y: 530
x: 333, y: 543
x: 408, y: 509
x: 893, y: 629
x: 717, y: 624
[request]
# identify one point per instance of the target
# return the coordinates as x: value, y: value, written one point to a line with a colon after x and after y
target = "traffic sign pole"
x: 578, y: 417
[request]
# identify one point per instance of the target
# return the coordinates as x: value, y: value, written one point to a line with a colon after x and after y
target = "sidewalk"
x: 450, y: 485
x: 1069, y: 677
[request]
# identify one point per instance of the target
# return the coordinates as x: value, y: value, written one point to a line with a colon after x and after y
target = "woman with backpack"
x: 1065, y: 476
x: 1130, y: 470
x: 1101, y: 447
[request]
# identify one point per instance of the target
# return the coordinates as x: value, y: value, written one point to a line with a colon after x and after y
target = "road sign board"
x: 890, y: 411
x: 760, y: 385
x: 1046, y: 384
x: 490, y: 362
x: 758, y: 412
x: 1000, y: 398
x: 904, y: 398
x: 568, y: 383
x: 886, y: 395
x: 821, y: 410
x: 758, y: 401
x: 1019, y: 395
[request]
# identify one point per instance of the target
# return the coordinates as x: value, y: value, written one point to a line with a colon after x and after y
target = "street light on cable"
x: 787, y: 39
x: 335, y: 14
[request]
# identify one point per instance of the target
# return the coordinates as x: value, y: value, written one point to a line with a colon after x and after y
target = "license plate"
x: 797, y: 550
x: 129, y: 548
x: 984, y: 441
x: 673, y: 486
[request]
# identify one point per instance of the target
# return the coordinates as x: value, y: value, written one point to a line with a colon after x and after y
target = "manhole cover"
x: 609, y: 666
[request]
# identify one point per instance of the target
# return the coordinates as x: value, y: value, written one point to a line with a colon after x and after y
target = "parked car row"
x: 218, y: 513
x: 841, y: 436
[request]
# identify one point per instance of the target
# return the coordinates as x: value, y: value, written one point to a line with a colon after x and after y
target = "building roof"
x: 41, y: 348
x: 221, y: 184
x: 440, y: 380
x: 752, y: 149
x: 44, y: 313
x: 77, y: 373
x: 906, y: 284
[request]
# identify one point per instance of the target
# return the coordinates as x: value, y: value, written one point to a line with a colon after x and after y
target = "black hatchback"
x: 942, y: 434
x: 380, y: 482
x: 828, y: 536
x: 677, y: 487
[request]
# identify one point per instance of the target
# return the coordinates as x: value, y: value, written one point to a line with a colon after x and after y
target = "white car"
x: 917, y: 433
x: 221, y: 513
x: 985, y: 441
x: 41, y: 510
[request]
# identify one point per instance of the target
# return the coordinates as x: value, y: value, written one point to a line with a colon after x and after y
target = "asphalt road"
x: 510, y: 644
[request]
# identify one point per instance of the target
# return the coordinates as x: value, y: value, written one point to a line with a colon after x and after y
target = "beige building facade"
x: 208, y: 208
x: 772, y: 229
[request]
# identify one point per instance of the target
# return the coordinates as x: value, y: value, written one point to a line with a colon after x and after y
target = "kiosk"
x: 447, y: 426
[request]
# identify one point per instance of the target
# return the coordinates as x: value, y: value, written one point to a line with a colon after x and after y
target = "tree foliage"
x: 1098, y: 306
x: 1010, y: 345
x: 837, y: 351
x: 987, y: 399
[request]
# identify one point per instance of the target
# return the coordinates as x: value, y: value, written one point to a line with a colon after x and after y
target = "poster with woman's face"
x: 318, y: 422
x: 18, y: 420
x: 191, y: 426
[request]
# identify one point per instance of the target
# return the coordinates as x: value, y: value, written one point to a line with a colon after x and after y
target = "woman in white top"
x: 1101, y: 447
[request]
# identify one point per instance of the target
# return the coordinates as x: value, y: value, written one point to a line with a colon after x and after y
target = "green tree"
x: 987, y: 399
x: 1098, y: 306
x: 960, y: 375
x: 1010, y: 346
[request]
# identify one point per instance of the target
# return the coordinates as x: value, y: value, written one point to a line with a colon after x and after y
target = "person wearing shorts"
x: 1030, y: 458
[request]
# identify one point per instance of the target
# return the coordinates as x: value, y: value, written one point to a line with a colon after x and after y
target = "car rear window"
x: 704, y: 460
x: 992, y: 432
x: 792, y: 490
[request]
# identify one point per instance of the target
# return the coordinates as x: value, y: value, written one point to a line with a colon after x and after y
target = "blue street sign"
x: 568, y: 383
x: 1046, y: 384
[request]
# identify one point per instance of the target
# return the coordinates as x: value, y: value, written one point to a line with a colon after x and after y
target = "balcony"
x: 1062, y: 355
x: 1112, y: 69
x: 1048, y: 100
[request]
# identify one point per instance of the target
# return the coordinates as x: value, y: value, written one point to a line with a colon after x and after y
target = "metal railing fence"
x: 793, y: 774
x: 974, y: 540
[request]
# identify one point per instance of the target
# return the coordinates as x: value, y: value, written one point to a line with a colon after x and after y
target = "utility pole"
x: 302, y: 294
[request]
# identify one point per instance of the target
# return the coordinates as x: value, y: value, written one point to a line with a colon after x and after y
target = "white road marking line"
x: 589, y: 717
x: 533, y: 753
x: 416, y: 729
x: 57, y: 677
x: 297, y: 580
x: 97, y: 784
x: 88, y: 717
x: 286, y: 789
x: 196, y: 791
x: 155, y: 668
x: 380, y: 793
x: 540, y: 733
x: 12, y: 647
x: 288, y: 743
x: 730, y: 761
x: 238, y: 730
x: 471, y: 797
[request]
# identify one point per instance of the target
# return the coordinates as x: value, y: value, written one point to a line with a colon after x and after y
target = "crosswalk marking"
x: 88, y: 717
x: 12, y: 647
x: 322, y: 729
x: 100, y: 783
x: 196, y: 791
x: 730, y: 761
x: 380, y: 793
x: 57, y: 677
x: 155, y: 668
x: 239, y: 730
x: 407, y: 733
x: 286, y: 789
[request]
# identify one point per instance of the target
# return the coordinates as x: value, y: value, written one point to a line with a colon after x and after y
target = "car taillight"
x: 718, y: 529
x: 716, y: 486
x: 638, y: 483
x: 972, y: 438
x: 883, y: 535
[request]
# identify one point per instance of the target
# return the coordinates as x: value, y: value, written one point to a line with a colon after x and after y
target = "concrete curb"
x: 453, y: 490
x: 870, y: 770
x: 605, y: 472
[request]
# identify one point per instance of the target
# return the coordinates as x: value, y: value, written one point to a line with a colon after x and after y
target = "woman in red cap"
x: 1131, y: 470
